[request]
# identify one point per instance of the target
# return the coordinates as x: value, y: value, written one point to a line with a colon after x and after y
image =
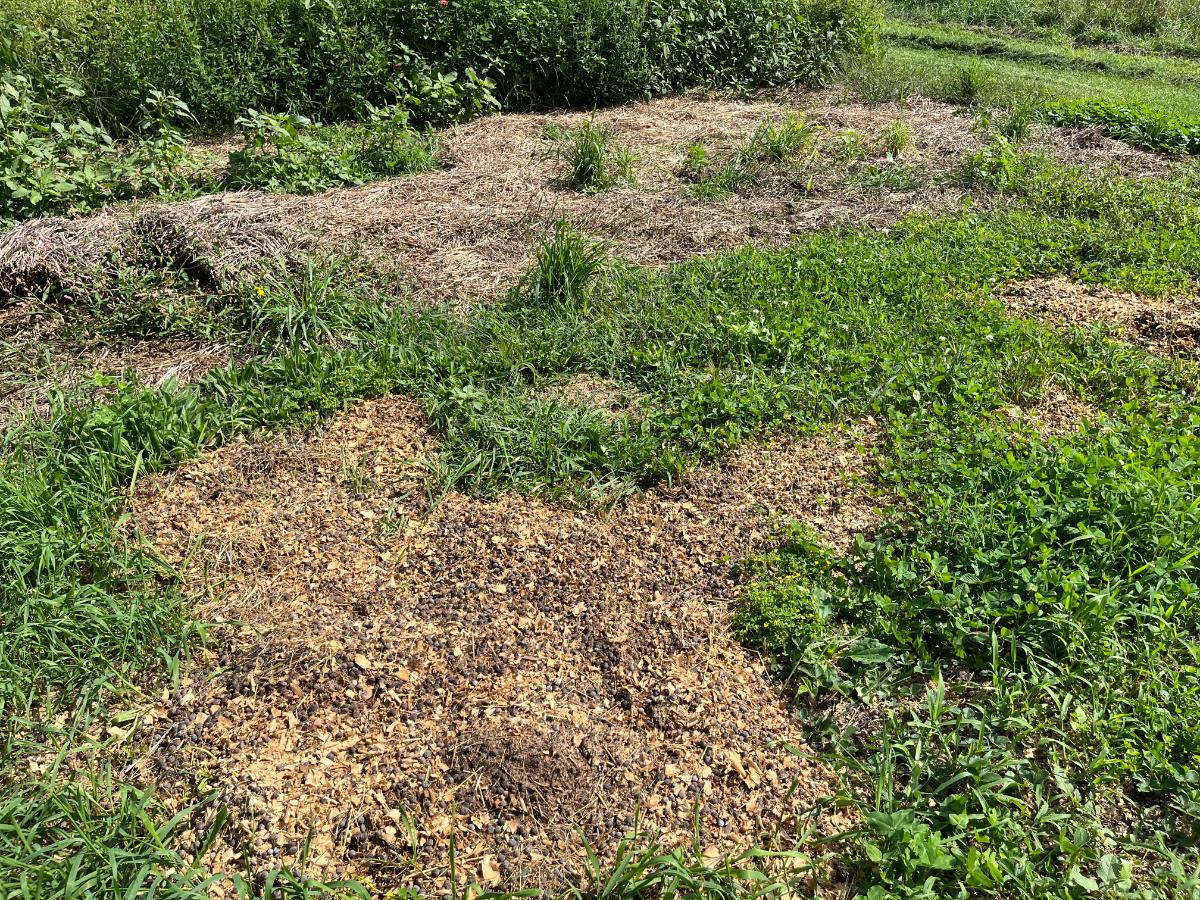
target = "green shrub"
x: 284, y: 153
x: 51, y: 166
x: 330, y: 59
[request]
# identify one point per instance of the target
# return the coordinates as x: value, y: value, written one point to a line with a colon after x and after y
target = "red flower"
x: 443, y: 2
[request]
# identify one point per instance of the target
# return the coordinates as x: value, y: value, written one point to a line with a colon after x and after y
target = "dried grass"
x: 463, y: 233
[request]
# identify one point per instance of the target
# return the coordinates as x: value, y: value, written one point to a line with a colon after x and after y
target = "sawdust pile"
x: 504, y: 671
x: 1167, y: 327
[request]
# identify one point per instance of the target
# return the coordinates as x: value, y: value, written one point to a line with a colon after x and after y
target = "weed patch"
x: 594, y: 161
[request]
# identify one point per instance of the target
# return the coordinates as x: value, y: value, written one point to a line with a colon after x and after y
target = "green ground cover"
x: 1020, y: 637
x: 993, y: 572
x: 1156, y: 113
x: 1155, y: 25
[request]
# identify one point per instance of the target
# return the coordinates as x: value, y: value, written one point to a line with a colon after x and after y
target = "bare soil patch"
x: 503, y: 671
x: 595, y: 392
x: 1056, y: 412
x: 1166, y: 327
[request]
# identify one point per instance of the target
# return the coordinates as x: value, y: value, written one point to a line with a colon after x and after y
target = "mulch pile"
x: 506, y: 672
x: 1166, y: 327
x: 463, y: 233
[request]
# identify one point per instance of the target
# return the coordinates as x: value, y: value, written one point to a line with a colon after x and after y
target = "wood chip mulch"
x: 507, y: 672
x: 1056, y: 413
x: 1166, y: 327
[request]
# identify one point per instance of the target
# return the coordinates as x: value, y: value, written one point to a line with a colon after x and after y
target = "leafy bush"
x: 330, y: 59
x: 48, y: 166
x: 283, y: 153
x: 51, y: 166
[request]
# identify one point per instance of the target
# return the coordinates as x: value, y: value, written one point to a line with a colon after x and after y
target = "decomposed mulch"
x: 513, y: 675
x: 1167, y: 327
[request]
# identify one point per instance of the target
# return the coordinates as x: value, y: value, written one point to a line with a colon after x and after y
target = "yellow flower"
x: 261, y: 291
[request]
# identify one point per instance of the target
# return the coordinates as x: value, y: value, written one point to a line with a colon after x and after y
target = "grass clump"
x: 772, y: 147
x: 897, y: 137
x: 566, y: 267
x: 595, y: 162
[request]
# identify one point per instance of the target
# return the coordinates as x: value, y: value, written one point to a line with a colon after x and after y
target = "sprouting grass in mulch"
x: 1016, y: 553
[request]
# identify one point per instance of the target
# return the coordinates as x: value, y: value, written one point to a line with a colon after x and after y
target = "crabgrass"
x: 894, y: 325
x: 1022, y: 636
x: 594, y: 161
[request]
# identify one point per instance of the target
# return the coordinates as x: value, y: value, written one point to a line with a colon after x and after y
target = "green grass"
x: 937, y: 73
x: 835, y: 327
x: 1157, y: 25
x: 1148, y: 104
x: 1181, y: 72
x: 773, y: 148
x: 1025, y: 635
x: 594, y: 161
